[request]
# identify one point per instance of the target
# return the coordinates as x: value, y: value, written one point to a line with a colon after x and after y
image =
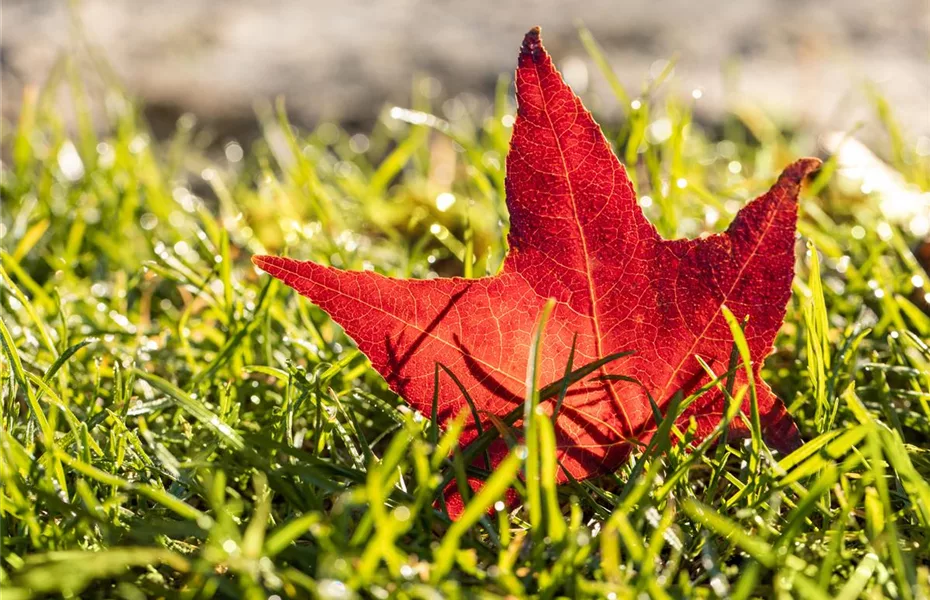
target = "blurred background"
x: 807, y: 64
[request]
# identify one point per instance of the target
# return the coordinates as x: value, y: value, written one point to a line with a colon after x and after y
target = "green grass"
x: 176, y: 424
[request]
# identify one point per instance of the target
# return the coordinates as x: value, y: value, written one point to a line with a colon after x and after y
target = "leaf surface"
x: 578, y: 235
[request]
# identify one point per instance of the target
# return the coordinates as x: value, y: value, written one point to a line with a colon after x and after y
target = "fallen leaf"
x: 577, y: 235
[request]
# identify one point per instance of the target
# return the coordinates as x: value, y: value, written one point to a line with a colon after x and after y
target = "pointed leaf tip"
x: 789, y: 182
x: 532, y: 45
x: 797, y: 171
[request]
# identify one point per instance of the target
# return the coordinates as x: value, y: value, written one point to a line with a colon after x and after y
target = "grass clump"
x: 175, y: 424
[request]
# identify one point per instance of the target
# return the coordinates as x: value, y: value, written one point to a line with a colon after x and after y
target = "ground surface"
x: 343, y: 60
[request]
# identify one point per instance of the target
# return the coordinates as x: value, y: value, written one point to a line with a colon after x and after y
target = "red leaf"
x: 577, y: 235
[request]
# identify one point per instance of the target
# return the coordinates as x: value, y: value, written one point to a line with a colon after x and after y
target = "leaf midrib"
x: 589, y: 279
x: 413, y: 326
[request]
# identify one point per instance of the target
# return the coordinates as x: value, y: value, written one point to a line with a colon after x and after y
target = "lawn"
x: 177, y: 424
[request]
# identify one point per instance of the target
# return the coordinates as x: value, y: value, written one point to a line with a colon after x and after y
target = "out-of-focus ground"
x: 806, y: 63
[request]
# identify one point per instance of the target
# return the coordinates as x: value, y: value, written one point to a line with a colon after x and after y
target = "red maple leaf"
x: 577, y: 235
